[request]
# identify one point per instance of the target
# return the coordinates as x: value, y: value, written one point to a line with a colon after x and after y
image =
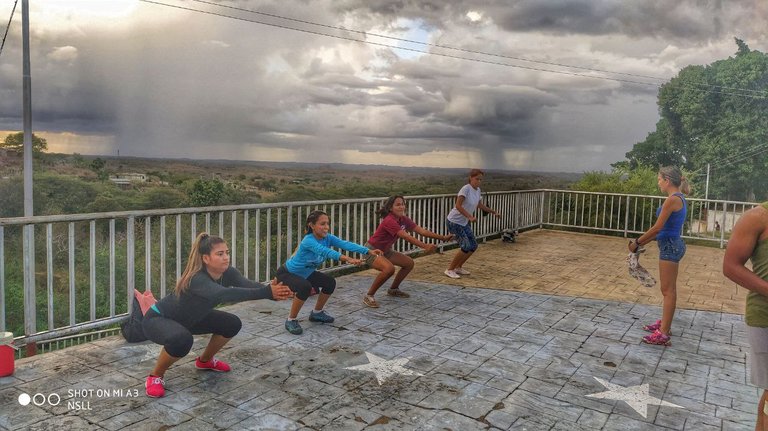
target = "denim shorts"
x: 671, y: 249
x: 463, y: 236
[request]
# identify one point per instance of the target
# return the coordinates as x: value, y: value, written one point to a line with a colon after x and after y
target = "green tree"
x: 206, y: 193
x: 709, y: 114
x: 105, y: 202
x: 641, y: 181
x: 15, y: 142
x: 162, y: 197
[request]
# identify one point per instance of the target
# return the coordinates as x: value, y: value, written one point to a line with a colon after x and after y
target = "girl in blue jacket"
x: 300, y: 272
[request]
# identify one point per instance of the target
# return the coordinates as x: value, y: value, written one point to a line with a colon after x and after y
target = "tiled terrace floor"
x: 587, y: 266
x: 469, y: 358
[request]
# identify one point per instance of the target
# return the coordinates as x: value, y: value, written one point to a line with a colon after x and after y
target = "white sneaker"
x: 451, y: 273
x: 461, y: 271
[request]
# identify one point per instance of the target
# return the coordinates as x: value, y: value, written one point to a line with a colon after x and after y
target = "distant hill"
x: 73, y: 183
x: 416, y: 170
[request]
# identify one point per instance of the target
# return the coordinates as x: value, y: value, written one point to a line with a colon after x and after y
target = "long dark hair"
x: 386, y: 207
x: 202, y: 246
x: 312, y: 218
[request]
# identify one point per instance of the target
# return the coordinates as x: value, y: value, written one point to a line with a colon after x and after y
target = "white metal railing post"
x: 49, y: 270
x: 92, y: 270
x: 148, y: 254
x: 71, y: 256
x: 163, y: 257
x: 2, y: 279
x: 130, y: 269
x: 30, y: 306
x: 722, y: 225
x: 112, y: 267
x: 626, y: 218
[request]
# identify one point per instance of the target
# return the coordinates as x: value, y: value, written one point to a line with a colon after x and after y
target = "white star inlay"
x: 636, y: 397
x: 146, y: 352
x: 384, y: 369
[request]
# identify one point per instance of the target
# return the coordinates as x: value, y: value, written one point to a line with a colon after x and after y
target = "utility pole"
x: 706, y: 188
x: 30, y: 315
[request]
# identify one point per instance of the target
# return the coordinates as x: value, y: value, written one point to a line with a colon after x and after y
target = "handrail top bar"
x: 637, y: 196
x: 165, y: 212
x: 12, y: 221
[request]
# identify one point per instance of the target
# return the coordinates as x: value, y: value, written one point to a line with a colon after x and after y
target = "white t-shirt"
x: 471, y: 199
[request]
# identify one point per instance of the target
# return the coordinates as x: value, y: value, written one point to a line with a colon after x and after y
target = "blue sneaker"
x: 321, y: 317
x: 293, y: 327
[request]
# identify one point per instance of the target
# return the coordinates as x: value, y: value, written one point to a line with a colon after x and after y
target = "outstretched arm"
x: 429, y: 234
x: 202, y: 285
x: 487, y: 209
x: 744, y: 237
x: 415, y: 241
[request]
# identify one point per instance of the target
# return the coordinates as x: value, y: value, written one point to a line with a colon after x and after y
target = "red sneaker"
x: 155, y: 386
x: 214, y: 365
x: 658, y: 338
x: 653, y: 327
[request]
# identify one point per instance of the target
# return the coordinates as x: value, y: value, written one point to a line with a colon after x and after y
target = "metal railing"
x: 65, y: 274
x: 74, y: 273
x: 707, y: 220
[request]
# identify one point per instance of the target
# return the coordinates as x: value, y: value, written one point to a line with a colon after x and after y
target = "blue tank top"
x: 674, y: 225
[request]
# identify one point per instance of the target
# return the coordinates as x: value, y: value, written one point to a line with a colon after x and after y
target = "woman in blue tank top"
x: 667, y: 231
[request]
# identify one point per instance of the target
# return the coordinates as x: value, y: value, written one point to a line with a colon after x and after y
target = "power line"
x: 400, y: 39
x: 759, y: 149
x: 733, y: 159
x: 490, y: 54
x: 286, y: 27
x: 8, y: 26
x: 740, y: 155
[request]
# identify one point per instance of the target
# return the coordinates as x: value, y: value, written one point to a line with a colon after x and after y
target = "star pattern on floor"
x: 637, y: 397
x: 145, y: 352
x: 383, y: 368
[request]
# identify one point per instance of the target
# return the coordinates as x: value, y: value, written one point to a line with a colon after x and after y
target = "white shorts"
x: 758, y: 356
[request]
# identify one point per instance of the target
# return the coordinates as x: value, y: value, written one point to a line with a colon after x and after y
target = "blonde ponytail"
x: 685, y: 186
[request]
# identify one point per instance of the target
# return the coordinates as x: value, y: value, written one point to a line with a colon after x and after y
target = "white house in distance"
x: 125, y: 179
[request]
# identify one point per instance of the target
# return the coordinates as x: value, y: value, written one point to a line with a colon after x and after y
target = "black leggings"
x: 177, y: 339
x: 303, y: 286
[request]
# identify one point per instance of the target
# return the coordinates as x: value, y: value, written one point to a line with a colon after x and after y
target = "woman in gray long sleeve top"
x: 207, y: 281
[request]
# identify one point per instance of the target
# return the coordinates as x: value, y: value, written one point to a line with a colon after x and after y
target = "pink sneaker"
x: 155, y: 388
x: 213, y: 365
x: 653, y: 327
x: 658, y: 338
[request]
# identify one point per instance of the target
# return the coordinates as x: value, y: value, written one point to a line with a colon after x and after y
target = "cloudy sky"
x: 155, y: 80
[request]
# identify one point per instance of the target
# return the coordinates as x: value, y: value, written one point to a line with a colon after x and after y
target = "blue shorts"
x: 671, y: 249
x: 463, y: 236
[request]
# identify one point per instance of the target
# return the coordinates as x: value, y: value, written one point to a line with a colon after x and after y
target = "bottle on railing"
x: 6, y: 354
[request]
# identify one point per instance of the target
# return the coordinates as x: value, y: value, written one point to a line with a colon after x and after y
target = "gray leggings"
x: 303, y: 286
x: 177, y: 339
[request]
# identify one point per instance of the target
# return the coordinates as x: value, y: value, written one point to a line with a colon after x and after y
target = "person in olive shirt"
x: 208, y: 280
x: 749, y: 241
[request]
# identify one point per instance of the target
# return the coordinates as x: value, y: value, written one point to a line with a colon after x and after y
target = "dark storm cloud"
x: 698, y: 20
x: 501, y: 111
x: 173, y: 83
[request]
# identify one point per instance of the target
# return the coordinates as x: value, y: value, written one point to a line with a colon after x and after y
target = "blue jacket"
x: 313, y: 252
